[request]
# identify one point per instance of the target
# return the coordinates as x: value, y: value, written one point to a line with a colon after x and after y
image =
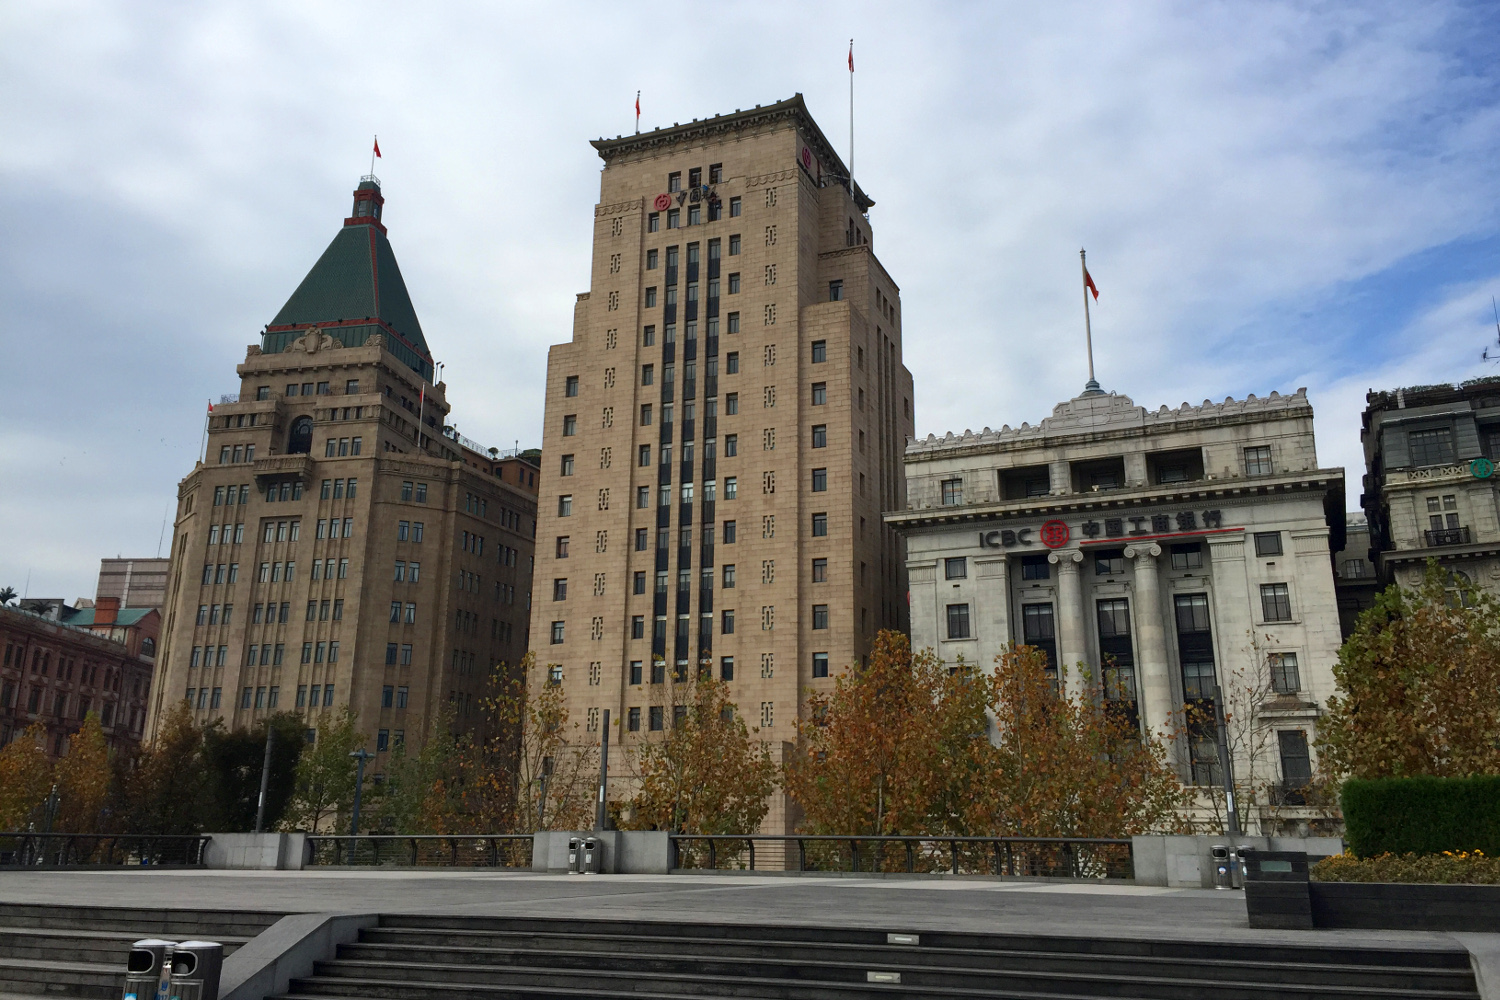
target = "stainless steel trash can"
x: 1223, y: 876
x: 593, y: 856
x: 145, y: 968
x: 575, y: 855
x: 195, y: 967
x: 1237, y: 864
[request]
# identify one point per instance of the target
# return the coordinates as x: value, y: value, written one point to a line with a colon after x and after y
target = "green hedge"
x: 1422, y: 815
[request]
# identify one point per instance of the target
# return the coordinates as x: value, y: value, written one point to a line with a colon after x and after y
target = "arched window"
x: 148, y: 646
x: 299, y: 441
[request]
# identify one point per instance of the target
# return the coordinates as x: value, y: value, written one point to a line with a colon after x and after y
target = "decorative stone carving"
x: 313, y: 341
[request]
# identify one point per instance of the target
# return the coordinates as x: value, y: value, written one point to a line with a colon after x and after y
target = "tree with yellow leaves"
x: 83, y: 780
x: 25, y: 777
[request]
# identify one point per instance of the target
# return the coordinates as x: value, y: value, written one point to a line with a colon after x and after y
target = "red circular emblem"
x: 807, y: 157
x: 1054, y: 534
x: 663, y: 202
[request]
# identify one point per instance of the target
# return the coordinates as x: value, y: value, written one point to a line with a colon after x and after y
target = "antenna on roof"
x: 1485, y: 354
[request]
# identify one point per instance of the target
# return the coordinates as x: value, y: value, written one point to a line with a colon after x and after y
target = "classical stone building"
x: 1429, y: 488
x: 61, y: 663
x: 1167, y: 551
x: 723, y: 430
x: 340, y: 545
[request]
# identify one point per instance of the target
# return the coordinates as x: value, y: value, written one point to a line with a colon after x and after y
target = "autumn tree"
x: 557, y: 762
x: 1417, y: 685
x: 25, y: 777
x: 708, y: 773
x: 420, y: 788
x: 1060, y: 765
x: 889, y: 749
x: 165, y: 791
x: 83, y: 780
x: 326, y: 775
x: 234, y: 760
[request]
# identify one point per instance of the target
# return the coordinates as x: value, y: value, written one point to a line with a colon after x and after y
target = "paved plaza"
x: 971, y: 905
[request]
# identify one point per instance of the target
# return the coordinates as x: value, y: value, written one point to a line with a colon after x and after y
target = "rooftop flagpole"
x: 1088, y: 328
x: 637, y: 112
x: 851, y: 118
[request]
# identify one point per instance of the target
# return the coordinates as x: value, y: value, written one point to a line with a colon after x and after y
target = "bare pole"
x: 265, y: 778
x: 851, y: 117
x: 601, y: 821
x: 1088, y: 328
x: 373, y: 146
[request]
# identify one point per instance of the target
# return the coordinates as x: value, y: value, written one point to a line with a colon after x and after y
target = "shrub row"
x: 1422, y: 815
x: 1449, y: 868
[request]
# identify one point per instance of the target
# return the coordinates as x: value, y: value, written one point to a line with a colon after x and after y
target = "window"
x: 835, y: 291
x: 820, y: 436
x: 560, y: 589
x: 651, y: 260
x: 570, y: 425
x: 1109, y: 562
x: 819, y: 351
x: 729, y: 532
x: 645, y: 414
x: 1296, y: 764
x: 953, y: 492
x: 651, y: 297
x: 731, y: 445
x: 820, y: 616
x: 728, y: 573
x: 820, y: 571
x: 1035, y: 568
x: 1268, y: 543
x: 557, y: 633
x: 731, y: 404
x: 642, y: 497
x: 1188, y: 556
x: 674, y: 218
x: 1434, y: 447
x: 820, y: 524
x: 1284, y: 675
x: 731, y: 485
x: 733, y: 324
x: 565, y: 505
x: 734, y: 213
x: 956, y: 568
x: 656, y: 718
x: 820, y: 480
x: 958, y: 621
x: 1275, y: 602
x: 820, y: 393
x: 653, y: 222
x: 567, y: 466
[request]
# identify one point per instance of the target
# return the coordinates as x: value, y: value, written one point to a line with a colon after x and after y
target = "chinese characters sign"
x: 1055, y: 534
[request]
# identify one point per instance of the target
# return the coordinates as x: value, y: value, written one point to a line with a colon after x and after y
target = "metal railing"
x: 485, y: 850
x: 1023, y: 857
x: 1447, y: 536
x: 100, y: 850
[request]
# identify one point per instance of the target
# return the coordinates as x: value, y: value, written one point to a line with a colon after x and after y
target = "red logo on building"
x: 1054, y: 534
x: 663, y: 202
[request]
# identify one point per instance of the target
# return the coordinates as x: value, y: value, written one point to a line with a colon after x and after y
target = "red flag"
x: 377, y: 148
x: 1088, y: 282
x: 637, y: 104
x: 851, y: 55
x: 210, y: 406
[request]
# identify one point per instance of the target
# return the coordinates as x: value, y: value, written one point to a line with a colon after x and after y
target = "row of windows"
x: 341, y: 447
x: 229, y: 495
x: 236, y: 453
x: 409, y: 616
x: 337, y: 489
x: 351, y: 387
x: 819, y: 484
x: 226, y: 534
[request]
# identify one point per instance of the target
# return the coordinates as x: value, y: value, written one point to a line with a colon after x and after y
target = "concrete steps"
x: 450, y: 958
x: 78, y: 952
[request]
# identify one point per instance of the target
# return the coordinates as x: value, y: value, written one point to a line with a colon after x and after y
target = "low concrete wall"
x: 1187, y: 861
x: 286, y: 950
x: 268, y: 851
x: 626, y: 852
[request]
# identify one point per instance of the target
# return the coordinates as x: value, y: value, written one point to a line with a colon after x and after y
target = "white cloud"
x: 1237, y: 171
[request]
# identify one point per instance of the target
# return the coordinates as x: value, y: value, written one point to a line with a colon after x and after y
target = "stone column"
x: 1151, y: 641
x: 1072, y: 637
x: 994, y: 595
x: 1060, y: 475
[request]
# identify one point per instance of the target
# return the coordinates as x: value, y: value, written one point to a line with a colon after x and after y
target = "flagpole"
x: 372, y: 155
x: 851, y: 118
x: 203, y: 447
x: 1088, y: 328
x: 637, y: 112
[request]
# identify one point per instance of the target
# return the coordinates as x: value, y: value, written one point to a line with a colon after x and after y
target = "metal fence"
x: 1023, y: 857
x: 488, y: 850
x: 93, y: 850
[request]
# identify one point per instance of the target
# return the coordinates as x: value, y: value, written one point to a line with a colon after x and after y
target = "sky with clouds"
x: 1272, y: 195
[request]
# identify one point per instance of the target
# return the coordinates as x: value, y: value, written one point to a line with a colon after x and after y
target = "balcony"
x: 1447, y: 536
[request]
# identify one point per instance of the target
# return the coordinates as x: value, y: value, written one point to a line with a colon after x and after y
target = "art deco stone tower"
x: 339, y: 544
x: 723, y: 430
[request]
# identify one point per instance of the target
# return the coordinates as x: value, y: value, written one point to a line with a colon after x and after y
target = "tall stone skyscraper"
x: 723, y: 431
x: 339, y: 545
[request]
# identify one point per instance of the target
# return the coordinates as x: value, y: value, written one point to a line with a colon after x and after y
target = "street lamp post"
x: 361, y: 755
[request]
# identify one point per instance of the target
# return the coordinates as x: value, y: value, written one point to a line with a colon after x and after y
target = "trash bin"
x: 1237, y: 866
x: 575, y: 855
x: 1223, y: 876
x: 593, y: 856
x: 145, y: 968
x: 195, y: 969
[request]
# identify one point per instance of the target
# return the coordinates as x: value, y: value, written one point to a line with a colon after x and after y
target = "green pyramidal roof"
x: 355, y: 289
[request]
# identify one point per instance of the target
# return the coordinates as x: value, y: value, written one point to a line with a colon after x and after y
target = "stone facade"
x: 136, y: 583
x: 1429, y: 489
x: 1164, y: 551
x: 722, y: 431
x: 61, y: 663
x: 339, y: 545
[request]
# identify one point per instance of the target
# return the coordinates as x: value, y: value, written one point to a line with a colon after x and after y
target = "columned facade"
x: 1161, y: 559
